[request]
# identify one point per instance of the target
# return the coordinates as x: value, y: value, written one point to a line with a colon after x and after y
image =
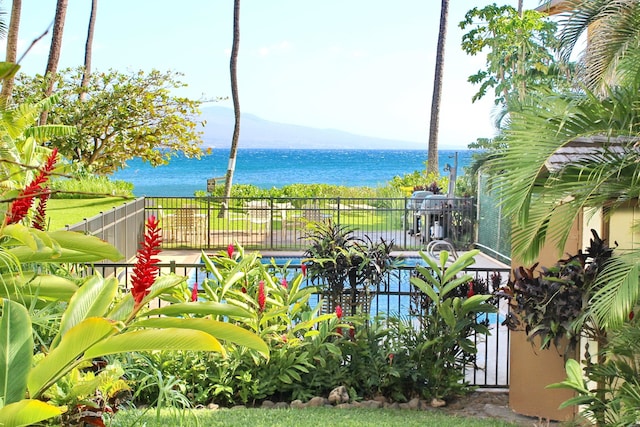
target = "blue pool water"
x: 397, y: 301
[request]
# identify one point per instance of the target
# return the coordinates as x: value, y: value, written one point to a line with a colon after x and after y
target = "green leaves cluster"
x: 124, y: 116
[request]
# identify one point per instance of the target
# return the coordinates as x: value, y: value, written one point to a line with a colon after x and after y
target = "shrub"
x: 90, y: 187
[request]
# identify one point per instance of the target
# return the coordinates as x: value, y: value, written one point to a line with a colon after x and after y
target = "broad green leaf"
x: 220, y: 330
x: 88, y: 245
x: 27, y: 412
x: 201, y: 308
x: 122, y: 309
x: 71, y: 349
x: 155, y: 339
x: 425, y: 287
x: 64, y: 246
x: 477, y: 303
x: 16, y: 350
x: 92, y: 300
x: 21, y: 234
x: 464, y: 261
x: 575, y: 379
x: 8, y: 69
x: 447, y: 313
x: 47, y: 287
x: 161, y: 285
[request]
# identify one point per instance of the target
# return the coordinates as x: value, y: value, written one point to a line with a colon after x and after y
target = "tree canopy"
x: 123, y: 116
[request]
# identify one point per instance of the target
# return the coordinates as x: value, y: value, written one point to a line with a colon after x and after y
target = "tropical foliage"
x: 123, y: 116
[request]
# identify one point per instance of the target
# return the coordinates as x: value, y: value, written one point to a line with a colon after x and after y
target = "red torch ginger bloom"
x: 470, y: 292
x: 284, y: 283
x: 194, y: 292
x: 230, y: 250
x: 146, y: 268
x: 20, y: 207
x: 339, y: 331
x: 262, y: 298
x: 303, y: 267
x: 338, y: 312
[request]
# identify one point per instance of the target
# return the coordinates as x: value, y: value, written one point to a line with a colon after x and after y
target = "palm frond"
x: 618, y: 290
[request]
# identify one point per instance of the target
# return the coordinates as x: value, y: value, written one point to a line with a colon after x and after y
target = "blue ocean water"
x: 267, y: 168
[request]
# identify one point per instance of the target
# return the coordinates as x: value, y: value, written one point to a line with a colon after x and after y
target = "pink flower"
x: 20, y: 207
x: 146, y: 269
x: 391, y: 356
x: 284, y: 338
x: 303, y: 267
x: 194, y: 292
x: 230, y: 250
x: 262, y: 298
x: 338, y: 312
x: 284, y: 283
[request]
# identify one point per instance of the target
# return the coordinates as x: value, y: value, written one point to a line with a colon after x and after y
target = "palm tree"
x: 612, y: 56
x: 54, y: 51
x: 236, y: 104
x: 432, y: 154
x: 88, y: 50
x: 545, y: 199
x: 12, y: 47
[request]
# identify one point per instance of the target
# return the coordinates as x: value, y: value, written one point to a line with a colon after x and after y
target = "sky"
x: 361, y: 66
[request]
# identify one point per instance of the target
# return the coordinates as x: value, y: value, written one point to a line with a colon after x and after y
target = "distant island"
x: 259, y: 133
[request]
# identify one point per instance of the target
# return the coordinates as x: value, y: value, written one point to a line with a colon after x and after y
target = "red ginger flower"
x: 230, y: 250
x: 284, y: 283
x: 194, y: 292
x: 20, y: 207
x: 262, y: 298
x: 303, y: 267
x: 470, y: 292
x: 146, y: 269
x: 338, y: 312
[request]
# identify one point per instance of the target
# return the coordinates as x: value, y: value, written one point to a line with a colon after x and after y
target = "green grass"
x: 307, y: 417
x: 61, y: 212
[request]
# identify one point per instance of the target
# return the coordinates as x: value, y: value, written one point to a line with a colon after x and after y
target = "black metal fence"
x: 396, y: 297
x: 280, y: 223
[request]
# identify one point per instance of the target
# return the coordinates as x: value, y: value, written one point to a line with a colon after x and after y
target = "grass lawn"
x: 61, y: 212
x: 307, y: 417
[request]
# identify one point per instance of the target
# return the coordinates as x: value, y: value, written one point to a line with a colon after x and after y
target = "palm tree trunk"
x: 12, y: 48
x: 54, y: 51
x: 236, y: 106
x: 432, y: 155
x: 88, y: 51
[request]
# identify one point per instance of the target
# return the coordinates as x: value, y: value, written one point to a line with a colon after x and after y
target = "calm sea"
x: 267, y: 168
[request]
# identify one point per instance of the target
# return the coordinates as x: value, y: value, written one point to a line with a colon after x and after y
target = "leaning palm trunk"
x: 236, y: 106
x: 54, y: 52
x: 88, y: 51
x: 12, y: 47
x: 432, y: 159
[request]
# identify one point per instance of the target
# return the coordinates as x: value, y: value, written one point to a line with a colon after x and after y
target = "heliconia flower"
x: 284, y: 283
x: 262, y: 298
x: 338, y: 312
x: 470, y: 292
x: 194, y: 292
x: 146, y: 269
x: 230, y: 250
x: 303, y: 268
x: 20, y: 207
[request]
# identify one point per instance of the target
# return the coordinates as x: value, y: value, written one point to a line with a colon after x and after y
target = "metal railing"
x: 281, y: 223
x: 396, y: 297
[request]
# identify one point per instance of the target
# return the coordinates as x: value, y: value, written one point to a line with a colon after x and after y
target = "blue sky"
x: 362, y: 66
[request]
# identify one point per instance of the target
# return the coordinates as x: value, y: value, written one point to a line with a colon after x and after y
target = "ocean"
x: 268, y: 168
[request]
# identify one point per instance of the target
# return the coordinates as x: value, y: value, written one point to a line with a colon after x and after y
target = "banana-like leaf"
x: 220, y: 330
x: 201, y: 308
x: 16, y: 351
x: 161, y: 285
x: 27, y: 412
x: 46, y: 287
x: 92, y: 300
x: 72, y: 347
x: 31, y: 245
x: 8, y: 69
x: 123, y: 309
x: 155, y: 339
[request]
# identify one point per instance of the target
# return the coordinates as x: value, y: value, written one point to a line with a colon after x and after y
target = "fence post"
x: 338, y: 214
x: 172, y: 266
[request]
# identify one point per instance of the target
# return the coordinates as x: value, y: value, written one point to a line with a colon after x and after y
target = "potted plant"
x: 349, y: 268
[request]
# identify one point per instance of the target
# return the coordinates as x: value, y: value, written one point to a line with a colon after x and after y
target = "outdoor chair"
x: 434, y: 247
x: 259, y: 215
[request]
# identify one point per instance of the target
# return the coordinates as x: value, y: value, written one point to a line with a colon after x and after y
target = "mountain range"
x: 260, y: 133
